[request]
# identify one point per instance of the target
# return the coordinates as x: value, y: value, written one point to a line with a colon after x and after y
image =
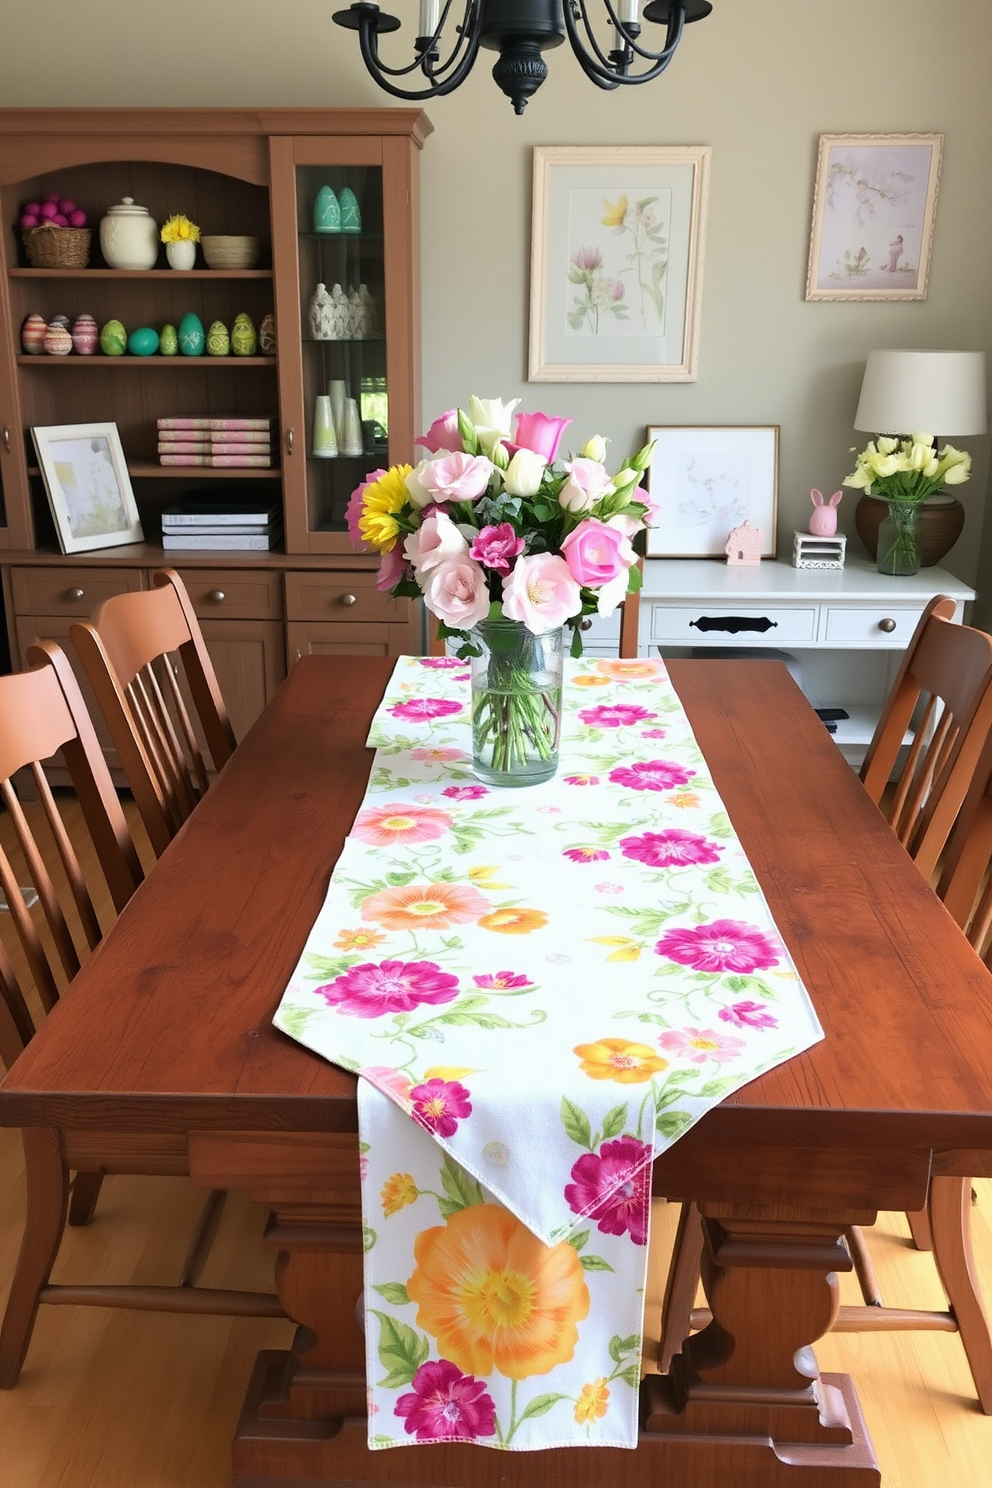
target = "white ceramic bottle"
x: 129, y: 236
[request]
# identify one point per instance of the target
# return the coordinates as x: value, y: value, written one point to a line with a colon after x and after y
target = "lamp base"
x: 941, y: 521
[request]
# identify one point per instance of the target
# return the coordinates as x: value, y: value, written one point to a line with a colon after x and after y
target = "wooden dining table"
x: 168, y: 1030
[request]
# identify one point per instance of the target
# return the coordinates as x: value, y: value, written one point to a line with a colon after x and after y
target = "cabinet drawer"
x: 339, y: 596
x: 236, y: 594
x: 877, y: 626
x: 743, y: 625
x: 70, y: 590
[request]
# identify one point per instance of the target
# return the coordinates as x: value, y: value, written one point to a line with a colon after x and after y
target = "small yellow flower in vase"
x: 180, y: 237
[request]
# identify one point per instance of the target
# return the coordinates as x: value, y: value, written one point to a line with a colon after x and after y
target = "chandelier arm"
x: 599, y: 67
x: 469, y: 38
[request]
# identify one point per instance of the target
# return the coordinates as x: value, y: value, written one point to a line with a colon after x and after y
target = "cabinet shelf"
x: 132, y: 274
x: 104, y: 363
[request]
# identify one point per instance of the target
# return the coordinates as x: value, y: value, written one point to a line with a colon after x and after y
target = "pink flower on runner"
x: 700, y: 1044
x: 581, y: 779
x: 585, y: 854
x: 672, y: 848
x: 439, y: 1105
x: 723, y: 945
x: 422, y: 710
x: 613, y: 1187
x: 383, y: 825
x: 615, y: 715
x: 446, y: 1405
x: 495, y: 546
x: 655, y: 775
x: 465, y: 792
x: 438, y: 756
x: 653, y: 733
x: 499, y: 980
x: 373, y: 990
x: 391, y: 1081
x: 440, y: 663
x: 748, y: 1015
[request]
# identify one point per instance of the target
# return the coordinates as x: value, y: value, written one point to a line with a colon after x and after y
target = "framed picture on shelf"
x: 707, y: 480
x: 873, y: 214
x: 617, y: 262
x: 88, y: 486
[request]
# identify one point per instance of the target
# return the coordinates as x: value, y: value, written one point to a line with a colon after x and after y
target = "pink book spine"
x: 184, y: 446
x: 234, y: 462
x: 242, y: 436
x: 235, y: 447
x: 226, y: 425
x: 185, y: 459
x: 183, y: 423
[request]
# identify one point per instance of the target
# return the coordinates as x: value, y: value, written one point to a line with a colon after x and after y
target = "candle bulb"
x: 628, y: 12
x: 429, y: 11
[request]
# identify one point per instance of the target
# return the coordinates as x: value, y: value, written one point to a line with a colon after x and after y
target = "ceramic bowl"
x: 227, y: 252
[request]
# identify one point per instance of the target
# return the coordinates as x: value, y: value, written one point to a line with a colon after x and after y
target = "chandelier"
x: 609, y: 44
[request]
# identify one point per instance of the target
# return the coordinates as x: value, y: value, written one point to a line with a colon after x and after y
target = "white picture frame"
x: 708, y: 479
x: 88, y: 485
x: 617, y: 243
x: 874, y: 202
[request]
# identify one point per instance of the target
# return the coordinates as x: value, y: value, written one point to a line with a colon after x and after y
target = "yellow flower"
x: 513, y: 921
x: 584, y: 680
x: 397, y: 1192
x: 592, y: 1402
x: 357, y: 940
x: 448, y: 1071
x: 381, y: 500
x: 626, y: 949
x: 615, y: 213
x: 483, y: 877
x: 179, y: 229
x: 495, y: 1297
x: 619, y: 1060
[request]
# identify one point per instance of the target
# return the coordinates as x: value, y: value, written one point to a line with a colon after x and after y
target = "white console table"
x: 845, y: 628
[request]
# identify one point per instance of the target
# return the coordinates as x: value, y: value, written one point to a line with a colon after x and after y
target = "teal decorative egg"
x: 113, y: 339
x: 351, y: 217
x: 326, y: 212
x: 267, y: 335
x: 218, y: 340
x: 168, y: 341
x: 244, y: 341
x: 192, y: 337
x: 143, y: 342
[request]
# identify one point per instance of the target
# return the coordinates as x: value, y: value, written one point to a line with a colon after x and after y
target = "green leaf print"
x: 326, y: 968
x: 540, y: 1406
x: 619, y: 1346
x: 614, y: 1121
x: 673, y: 1123
x: 579, y: 1240
x: 717, y: 1089
x: 576, y: 1123
x: 594, y: 1263
x: 293, y: 1020
x: 393, y: 1292
x: 462, y: 1189
x: 401, y: 1351
x: 631, y: 1376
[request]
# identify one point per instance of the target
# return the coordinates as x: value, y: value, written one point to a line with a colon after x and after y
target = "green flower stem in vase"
x: 898, y: 539
x: 516, y: 703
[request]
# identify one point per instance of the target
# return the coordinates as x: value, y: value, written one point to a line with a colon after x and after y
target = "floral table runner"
x: 554, y: 983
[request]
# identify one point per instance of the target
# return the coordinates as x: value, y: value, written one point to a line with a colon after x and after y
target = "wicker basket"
x: 57, y: 247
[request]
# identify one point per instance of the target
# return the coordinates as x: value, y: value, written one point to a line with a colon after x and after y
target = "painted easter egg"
x: 85, y: 335
x: 143, y: 342
x: 62, y: 320
x: 113, y: 339
x: 192, y: 337
x: 218, y: 340
x: 168, y: 341
x: 33, y: 334
x: 244, y: 341
x: 58, y: 341
x: 351, y: 216
x: 267, y: 335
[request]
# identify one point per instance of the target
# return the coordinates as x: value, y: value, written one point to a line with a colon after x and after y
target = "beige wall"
x: 758, y: 83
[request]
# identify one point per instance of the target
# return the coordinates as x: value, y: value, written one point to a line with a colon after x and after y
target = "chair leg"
x: 950, y: 1218
x: 683, y: 1281
x: 203, y: 1237
x: 919, y: 1228
x: 47, y: 1181
x: 85, y: 1192
x: 864, y: 1266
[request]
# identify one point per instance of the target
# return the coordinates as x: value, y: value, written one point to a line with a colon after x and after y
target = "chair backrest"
x: 943, y: 691
x: 42, y: 711
x: 133, y: 648
x: 965, y: 883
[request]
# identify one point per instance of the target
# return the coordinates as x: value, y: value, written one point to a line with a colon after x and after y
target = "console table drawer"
x: 229, y: 593
x: 877, y: 626
x: 339, y: 596
x: 72, y: 590
x: 743, y: 625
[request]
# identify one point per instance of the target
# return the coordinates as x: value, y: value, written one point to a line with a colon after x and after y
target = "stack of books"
x: 202, y: 520
x: 229, y: 443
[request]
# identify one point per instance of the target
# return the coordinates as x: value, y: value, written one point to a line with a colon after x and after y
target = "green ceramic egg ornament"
x: 168, y: 341
x: 326, y: 212
x: 244, y: 341
x: 143, y: 342
x: 192, y: 337
x: 113, y: 339
x: 218, y: 339
x: 351, y: 217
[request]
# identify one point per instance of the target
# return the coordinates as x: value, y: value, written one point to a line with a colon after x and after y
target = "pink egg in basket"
x: 33, y: 334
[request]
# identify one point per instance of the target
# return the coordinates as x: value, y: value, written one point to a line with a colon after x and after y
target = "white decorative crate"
x: 809, y: 551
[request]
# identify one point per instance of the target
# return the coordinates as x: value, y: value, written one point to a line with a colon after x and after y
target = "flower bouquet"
x: 904, y: 473
x: 179, y: 229
x: 508, y: 544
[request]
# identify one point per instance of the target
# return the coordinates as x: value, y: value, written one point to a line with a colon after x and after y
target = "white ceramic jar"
x: 129, y: 236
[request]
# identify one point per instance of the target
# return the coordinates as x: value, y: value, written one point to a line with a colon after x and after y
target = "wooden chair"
x: 133, y: 648
x: 939, y: 796
x: 42, y: 712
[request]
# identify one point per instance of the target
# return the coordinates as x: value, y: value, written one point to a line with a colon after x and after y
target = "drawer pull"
x: 887, y: 625
x: 734, y: 624
x: 216, y: 596
x: 289, y: 441
x: 348, y: 599
x: 76, y: 594
x: 6, y: 439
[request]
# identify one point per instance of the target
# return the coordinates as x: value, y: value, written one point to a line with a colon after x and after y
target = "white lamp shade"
x: 941, y: 392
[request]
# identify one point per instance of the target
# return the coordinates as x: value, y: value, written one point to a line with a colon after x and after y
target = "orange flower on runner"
x: 683, y: 799
x: 585, y: 680
x: 384, y: 825
x: 495, y: 1297
x: 593, y: 1401
x: 618, y: 1059
x: 425, y: 906
x: 629, y: 671
x: 397, y: 1192
x: 514, y: 921
x: 358, y: 940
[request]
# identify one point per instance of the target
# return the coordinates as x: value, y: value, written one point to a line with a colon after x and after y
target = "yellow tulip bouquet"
x: 904, y: 473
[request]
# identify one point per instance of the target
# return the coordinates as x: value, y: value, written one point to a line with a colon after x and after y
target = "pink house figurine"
x: 744, y: 544
x: 823, y: 519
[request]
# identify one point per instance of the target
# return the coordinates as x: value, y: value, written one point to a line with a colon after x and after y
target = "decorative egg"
x: 143, y: 342
x: 244, y: 341
x: 192, y: 338
x: 113, y: 339
x: 218, y: 340
x: 351, y: 217
x: 62, y: 320
x: 33, y: 334
x: 58, y: 341
x: 168, y: 341
x: 85, y: 335
x: 267, y: 335
x: 326, y: 211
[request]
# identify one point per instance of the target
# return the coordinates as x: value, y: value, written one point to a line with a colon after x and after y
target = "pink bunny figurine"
x: 823, y: 522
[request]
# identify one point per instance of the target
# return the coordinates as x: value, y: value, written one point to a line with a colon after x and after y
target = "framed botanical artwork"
x: 873, y: 212
x: 617, y: 262
x: 89, y: 489
x: 706, y: 480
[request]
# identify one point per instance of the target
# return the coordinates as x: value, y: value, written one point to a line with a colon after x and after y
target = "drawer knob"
x: 887, y: 625
x: 349, y: 599
x: 216, y: 596
x: 585, y: 625
x: 76, y: 594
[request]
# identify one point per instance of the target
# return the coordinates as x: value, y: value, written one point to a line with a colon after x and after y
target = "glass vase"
x: 516, y: 703
x: 899, y: 539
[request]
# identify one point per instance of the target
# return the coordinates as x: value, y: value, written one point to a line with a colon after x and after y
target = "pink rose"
x: 458, y: 477
x: 597, y: 553
x: 435, y: 541
x: 354, y: 510
x: 443, y: 433
x: 391, y: 570
x: 587, y: 483
x: 455, y: 591
x: 540, y: 432
x: 541, y: 593
x: 495, y: 546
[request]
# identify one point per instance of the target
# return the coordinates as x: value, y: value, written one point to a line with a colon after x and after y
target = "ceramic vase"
x: 181, y: 255
x: 516, y: 703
